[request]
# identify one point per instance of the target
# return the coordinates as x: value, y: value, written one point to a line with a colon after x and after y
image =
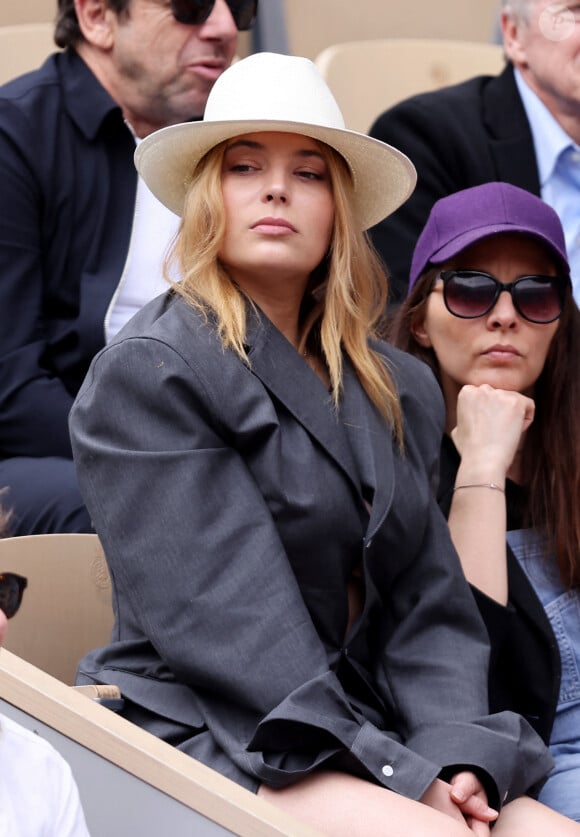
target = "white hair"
x: 520, y: 10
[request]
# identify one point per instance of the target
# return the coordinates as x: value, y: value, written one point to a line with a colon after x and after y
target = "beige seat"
x: 26, y: 11
x: 66, y: 609
x: 24, y: 47
x: 367, y: 77
x: 313, y: 26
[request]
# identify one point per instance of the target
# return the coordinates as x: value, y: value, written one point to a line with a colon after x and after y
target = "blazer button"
x: 387, y: 770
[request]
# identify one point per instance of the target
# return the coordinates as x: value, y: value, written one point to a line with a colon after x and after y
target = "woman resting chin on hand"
x: 490, y: 309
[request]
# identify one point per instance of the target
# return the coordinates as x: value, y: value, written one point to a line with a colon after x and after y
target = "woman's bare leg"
x: 524, y: 817
x: 340, y: 805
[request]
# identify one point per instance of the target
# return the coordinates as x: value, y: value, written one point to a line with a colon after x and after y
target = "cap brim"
x: 466, y: 239
x: 383, y: 176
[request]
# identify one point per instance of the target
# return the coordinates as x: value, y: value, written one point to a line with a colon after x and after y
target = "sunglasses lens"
x: 243, y: 12
x: 11, y: 590
x: 468, y: 293
x: 191, y: 12
x: 196, y: 12
x: 539, y: 298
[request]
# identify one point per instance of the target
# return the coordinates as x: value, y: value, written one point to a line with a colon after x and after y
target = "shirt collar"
x: 87, y: 101
x: 550, y: 139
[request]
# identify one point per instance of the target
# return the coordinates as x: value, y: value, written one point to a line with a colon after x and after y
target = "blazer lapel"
x: 289, y: 378
x: 511, y: 143
x: 371, y: 443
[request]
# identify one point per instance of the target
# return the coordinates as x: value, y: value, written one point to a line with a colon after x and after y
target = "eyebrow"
x: 258, y: 146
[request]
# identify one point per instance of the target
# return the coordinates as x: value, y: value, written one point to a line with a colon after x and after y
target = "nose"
x: 503, y: 314
x: 220, y: 23
x: 276, y: 189
x: 276, y: 195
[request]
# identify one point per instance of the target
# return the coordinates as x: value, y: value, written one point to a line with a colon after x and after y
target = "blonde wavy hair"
x: 343, y: 304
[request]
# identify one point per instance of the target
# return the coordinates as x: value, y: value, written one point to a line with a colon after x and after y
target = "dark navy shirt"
x: 67, y: 199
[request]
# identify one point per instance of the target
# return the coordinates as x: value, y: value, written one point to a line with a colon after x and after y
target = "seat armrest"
x: 106, y: 695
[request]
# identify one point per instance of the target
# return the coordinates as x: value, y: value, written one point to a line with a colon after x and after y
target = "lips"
x: 273, y: 226
x: 502, y: 351
x: 211, y: 68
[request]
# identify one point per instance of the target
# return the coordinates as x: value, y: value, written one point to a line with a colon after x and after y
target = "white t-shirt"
x: 38, y: 794
x: 154, y: 228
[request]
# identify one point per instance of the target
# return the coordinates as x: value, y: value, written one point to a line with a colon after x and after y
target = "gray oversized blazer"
x: 231, y: 505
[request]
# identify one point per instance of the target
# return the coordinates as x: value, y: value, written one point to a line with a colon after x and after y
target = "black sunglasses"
x: 472, y: 293
x: 196, y: 12
x: 12, y: 587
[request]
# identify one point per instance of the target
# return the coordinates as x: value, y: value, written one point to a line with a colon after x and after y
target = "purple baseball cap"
x: 463, y: 218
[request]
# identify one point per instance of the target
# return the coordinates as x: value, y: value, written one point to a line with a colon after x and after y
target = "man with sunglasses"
x: 521, y: 127
x: 38, y: 794
x: 81, y: 238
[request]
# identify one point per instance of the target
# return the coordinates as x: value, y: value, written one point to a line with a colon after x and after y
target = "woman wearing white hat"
x: 289, y: 608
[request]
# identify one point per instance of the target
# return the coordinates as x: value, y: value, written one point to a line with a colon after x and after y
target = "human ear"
x: 95, y: 17
x: 514, y: 47
x: 420, y: 333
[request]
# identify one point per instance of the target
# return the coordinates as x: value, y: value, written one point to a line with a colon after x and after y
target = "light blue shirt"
x: 559, y: 176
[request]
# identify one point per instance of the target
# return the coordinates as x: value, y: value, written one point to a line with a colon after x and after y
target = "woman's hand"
x: 490, y: 424
x: 463, y: 799
x: 470, y: 796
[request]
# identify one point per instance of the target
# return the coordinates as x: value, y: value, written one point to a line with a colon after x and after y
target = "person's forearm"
x: 477, y: 521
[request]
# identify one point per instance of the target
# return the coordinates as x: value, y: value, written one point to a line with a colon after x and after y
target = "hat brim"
x: 383, y: 176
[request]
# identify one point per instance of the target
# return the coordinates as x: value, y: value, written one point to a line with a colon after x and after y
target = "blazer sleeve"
x: 207, y: 576
x: 437, y: 637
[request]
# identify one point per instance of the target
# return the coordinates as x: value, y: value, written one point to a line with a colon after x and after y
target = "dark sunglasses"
x: 196, y: 12
x: 12, y: 587
x: 473, y: 293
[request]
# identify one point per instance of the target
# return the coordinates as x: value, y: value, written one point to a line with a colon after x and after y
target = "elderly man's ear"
x: 512, y: 42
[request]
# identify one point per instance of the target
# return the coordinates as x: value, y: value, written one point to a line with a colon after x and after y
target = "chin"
x: 506, y: 382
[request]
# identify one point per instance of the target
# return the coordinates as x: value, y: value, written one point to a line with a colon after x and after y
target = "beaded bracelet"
x: 493, y: 485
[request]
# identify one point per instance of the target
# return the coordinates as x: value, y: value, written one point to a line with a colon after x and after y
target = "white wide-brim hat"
x: 271, y: 92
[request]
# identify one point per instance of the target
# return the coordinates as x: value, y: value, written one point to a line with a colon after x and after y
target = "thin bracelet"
x: 493, y: 485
